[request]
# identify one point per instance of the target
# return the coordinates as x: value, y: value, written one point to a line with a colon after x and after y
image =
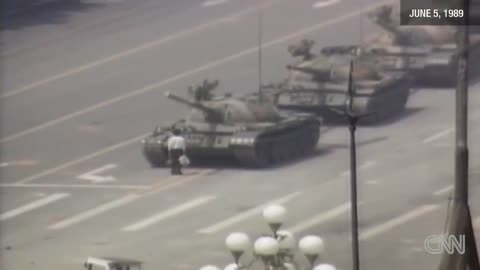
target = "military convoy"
x: 430, y: 50
x: 283, y: 121
x: 249, y: 129
x: 319, y: 83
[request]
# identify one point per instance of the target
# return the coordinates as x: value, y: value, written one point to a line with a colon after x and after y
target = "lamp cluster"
x: 277, y: 251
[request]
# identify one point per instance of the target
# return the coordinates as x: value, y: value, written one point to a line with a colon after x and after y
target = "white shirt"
x: 176, y: 142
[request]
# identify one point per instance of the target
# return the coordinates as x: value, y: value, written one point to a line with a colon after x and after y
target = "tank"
x: 319, y: 83
x: 430, y: 49
x: 250, y: 130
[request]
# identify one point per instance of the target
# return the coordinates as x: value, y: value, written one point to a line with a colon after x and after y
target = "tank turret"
x: 431, y: 50
x: 319, y: 85
x: 408, y: 35
x: 247, y: 128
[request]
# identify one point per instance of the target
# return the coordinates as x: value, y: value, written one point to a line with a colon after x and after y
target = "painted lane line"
x: 33, y: 205
x: 245, y: 215
x: 443, y: 191
x: 168, y: 214
x: 439, y: 135
x: 208, y: 66
x: 476, y: 223
x: 82, y: 159
x: 134, y: 50
x: 214, y: 3
x: 321, y: 218
x: 74, y: 186
x: 93, y: 176
x: 172, y: 182
x: 94, y: 212
x: 324, y: 3
x: 366, y: 165
x: 392, y: 223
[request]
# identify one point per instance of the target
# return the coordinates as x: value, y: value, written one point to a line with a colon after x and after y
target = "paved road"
x: 80, y: 106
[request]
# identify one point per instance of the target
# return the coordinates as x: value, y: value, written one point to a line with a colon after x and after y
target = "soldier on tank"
x: 176, y: 148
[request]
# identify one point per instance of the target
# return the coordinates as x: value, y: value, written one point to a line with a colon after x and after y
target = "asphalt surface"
x: 79, y: 93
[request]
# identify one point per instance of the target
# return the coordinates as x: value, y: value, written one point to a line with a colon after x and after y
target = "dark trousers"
x: 176, y: 167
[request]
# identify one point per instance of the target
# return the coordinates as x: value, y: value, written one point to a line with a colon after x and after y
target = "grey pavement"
x: 55, y: 211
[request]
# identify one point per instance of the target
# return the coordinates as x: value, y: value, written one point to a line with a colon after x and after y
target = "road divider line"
x: 133, y: 50
x: 74, y: 186
x: 171, y: 182
x: 443, y: 191
x: 395, y: 222
x: 82, y: 159
x: 439, y: 135
x: 476, y: 223
x: 94, y: 212
x: 33, y: 205
x: 324, y: 3
x: 245, y: 215
x: 321, y: 218
x: 211, y: 3
x: 366, y: 165
x: 183, y: 75
x: 168, y: 214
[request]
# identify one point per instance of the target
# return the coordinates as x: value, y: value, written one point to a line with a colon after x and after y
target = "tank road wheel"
x: 156, y: 157
x: 263, y: 154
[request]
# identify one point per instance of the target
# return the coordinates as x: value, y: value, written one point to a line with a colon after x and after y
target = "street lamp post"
x: 277, y: 251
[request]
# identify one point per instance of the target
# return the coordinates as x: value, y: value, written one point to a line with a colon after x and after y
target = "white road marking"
x: 366, y: 165
x: 476, y: 223
x: 321, y: 218
x: 81, y: 159
x: 131, y: 51
x: 213, y: 3
x: 94, y: 212
x: 381, y: 228
x: 172, y: 182
x: 33, y: 205
x: 443, y: 191
x: 168, y: 213
x: 94, y: 177
x: 325, y: 3
x: 73, y: 186
x: 245, y: 215
x: 213, y: 64
x: 439, y: 135
x: 372, y: 182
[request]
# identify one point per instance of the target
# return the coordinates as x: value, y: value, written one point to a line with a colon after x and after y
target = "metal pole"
x: 353, y: 194
x: 352, y: 121
x: 260, y: 26
x: 461, y: 222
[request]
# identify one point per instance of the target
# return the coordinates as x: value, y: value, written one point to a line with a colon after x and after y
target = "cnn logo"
x: 437, y: 244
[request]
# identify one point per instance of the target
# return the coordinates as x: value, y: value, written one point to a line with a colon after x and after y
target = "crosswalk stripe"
x: 242, y: 216
x: 94, y: 211
x: 33, y: 205
x: 476, y: 223
x: 320, y: 218
x: 168, y: 213
x: 392, y: 223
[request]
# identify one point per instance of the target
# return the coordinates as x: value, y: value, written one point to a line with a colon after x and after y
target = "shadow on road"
x: 19, y: 14
x: 341, y: 122
x: 232, y: 164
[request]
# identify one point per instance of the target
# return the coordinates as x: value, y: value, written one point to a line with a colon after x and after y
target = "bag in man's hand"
x: 184, y: 160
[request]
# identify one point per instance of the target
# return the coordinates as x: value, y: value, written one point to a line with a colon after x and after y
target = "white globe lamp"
x: 237, y: 243
x: 275, y: 216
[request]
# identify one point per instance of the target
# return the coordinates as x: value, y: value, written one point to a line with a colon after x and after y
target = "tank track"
x: 387, y: 105
x: 281, y: 146
x: 155, y: 155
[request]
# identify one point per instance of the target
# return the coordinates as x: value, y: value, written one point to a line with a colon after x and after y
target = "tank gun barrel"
x: 308, y: 70
x: 211, y: 113
x: 302, y: 69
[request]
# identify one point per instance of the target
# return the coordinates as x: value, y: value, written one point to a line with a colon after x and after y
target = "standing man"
x: 176, y: 148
